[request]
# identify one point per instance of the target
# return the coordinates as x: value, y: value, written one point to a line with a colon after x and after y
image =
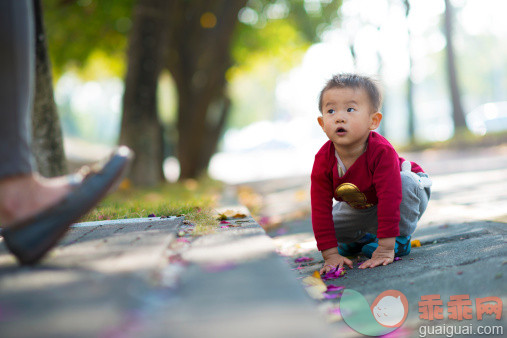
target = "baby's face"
x: 348, y: 116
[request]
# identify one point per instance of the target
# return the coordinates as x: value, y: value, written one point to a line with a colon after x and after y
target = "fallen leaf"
x: 315, y: 286
x: 314, y: 280
x: 415, y: 243
x: 125, y: 184
x: 315, y: 292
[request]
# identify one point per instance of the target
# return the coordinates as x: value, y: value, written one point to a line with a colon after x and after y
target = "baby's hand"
x: 383, y: 255
x: 333, y: 261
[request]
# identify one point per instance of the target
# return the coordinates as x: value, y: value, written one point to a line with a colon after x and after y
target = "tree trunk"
x: 141, y: 129
x: 384, y: 108
x: 458, y: 116
x: 198, y: 62
x: 47, y: 140
x: 410, y: 83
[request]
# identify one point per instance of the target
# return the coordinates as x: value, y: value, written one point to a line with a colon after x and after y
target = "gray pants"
x: 17, y: 62
x: 352, y: 224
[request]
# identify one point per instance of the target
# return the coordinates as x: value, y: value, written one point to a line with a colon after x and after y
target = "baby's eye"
x: 350, y: 110
x: 331, y: 111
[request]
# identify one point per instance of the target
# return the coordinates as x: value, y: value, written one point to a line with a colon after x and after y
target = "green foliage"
x: 277, y: 27
x: 81, y: 31
x: 84, y: 30
x: 91, y: 36
x: 271, y: 38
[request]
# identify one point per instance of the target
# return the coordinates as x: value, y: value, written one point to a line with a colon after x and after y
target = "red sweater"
x: 373, y: 179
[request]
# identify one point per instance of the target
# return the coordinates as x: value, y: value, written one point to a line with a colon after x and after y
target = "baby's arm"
x: 383, y: 255
x: 333, y: 260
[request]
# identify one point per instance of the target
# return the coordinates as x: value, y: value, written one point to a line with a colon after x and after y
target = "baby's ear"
x: 321, y: 121
x: 375, y: 120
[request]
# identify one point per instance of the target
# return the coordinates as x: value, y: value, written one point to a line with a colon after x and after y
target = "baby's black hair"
x: 347, y: 80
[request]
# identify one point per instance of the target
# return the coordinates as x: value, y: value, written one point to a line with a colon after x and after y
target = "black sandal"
x: 29, y: 240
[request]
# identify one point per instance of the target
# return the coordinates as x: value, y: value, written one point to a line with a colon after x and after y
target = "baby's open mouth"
x: 341, y: 130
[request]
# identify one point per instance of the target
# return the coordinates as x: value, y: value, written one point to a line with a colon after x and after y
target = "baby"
x: 380, y: 195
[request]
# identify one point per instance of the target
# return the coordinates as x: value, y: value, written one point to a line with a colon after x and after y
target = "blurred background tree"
x: 458, y: 115
x: 47, y: 138
x: 226, y: 65
x: 201, y: 37
x: 199, y: 59
x: 140, y: 127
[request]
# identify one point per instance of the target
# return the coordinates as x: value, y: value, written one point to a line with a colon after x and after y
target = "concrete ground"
x: 153, y: 278
x: 463, y: 235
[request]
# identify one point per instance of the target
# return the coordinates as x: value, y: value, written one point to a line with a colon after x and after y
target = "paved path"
x: 136, y: 278
x: 454, y: 259
x: 91, y: 285
x: 463, y: 232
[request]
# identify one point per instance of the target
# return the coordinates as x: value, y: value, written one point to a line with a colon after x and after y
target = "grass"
x: 463, y: 139
x: 194, y: 199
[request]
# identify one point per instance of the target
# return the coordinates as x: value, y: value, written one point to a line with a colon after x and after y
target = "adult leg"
x: 16, y: 86
x: 22, y: 192
x: 36, y: 212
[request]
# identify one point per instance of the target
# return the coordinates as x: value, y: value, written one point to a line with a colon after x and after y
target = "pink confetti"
x: 224, y: 226
x: 399, y: 333
x: 303, y: 259
x: 333, y: 274
x: 281, y: 231
x: 332, y: 287
x: 225, y: 222
x: 397, y: 259
x: 151, y: 215
x: 264, y: 221
x: 331, y: 295
x: 334, y: 311
x: 184, y: 240
x: 219, y: 267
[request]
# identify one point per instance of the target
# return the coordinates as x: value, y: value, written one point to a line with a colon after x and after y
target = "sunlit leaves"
x: 76, y: 30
